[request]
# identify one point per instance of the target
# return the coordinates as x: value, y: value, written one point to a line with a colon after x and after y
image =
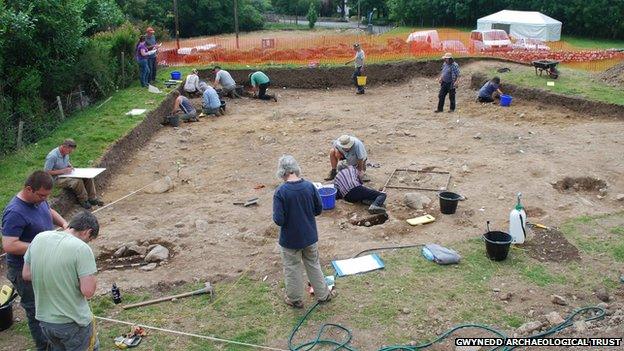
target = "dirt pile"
x: 614, y: 75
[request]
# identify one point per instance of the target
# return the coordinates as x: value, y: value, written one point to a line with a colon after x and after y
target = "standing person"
x: 57, y: 163
x: 488, y: 89
x: 295, y: 204
x: 349, y: 187
x: 359, y: 66
x: 182, y: 106
x: 27, y: 215
x: 449, y: 78
x: 61, y: 267
x: 350, y: 149
x: 224, y: 78
x: 211, y: 104
x: 259, y: 84
x: 150, y: 41
x: 191, y: 84
x: 142, y: 54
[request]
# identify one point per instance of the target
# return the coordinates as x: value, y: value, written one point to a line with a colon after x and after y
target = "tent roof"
x: 526, y: 17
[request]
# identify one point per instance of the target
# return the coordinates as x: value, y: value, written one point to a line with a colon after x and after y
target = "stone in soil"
x: 149, y: 267
x: 558, y: 300
x: 619, y: 197
x: 136, y: 250
x: 603, y: 295
x: 529, y: 327
x: 158, y: 253
x: 161, y: 186
x: 554, y: 318
x: 580, y: 326
x: 121, y: 251
x: 201, y: 225
x: 416, y: 201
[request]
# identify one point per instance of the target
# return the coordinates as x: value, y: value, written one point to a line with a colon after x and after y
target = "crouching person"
x: 183, y: 108
x: 349, y: 186
x: 62, y: 269
x: 295, y: 204
x: 486, y: 93
x: 211, y: 103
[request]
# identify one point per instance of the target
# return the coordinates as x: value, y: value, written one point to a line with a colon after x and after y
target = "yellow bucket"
x: 361, y: 80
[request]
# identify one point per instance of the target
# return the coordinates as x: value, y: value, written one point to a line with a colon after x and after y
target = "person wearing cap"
x: 352, y: 151
x: 259, y: 84
x: 211, y: 103
x: 191, y: 84
x: 224, y: 78
x: 150, y: 41
x: 449, y: 78
x: 358, y: 59
x: 350, y: 187
x: 182, y: 106
x: 57, y: 163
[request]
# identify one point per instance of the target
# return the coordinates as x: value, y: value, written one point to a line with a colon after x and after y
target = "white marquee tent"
x: 523, y: 24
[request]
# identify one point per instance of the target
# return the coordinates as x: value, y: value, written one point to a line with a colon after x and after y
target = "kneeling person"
x: 259, y: 84
x: 183, y: 107
x: 57, y: 163
x: 349, y: 186
x: 350, y: 149
x: 486, y: 91
x: 211, y: 104
x: 62, y: 269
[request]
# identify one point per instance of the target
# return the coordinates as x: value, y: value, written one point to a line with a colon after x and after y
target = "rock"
x: 136, y: 250
x: 554, y: 318
x: 158, y: 253
x: 179, y: 225
x: 465, y: 169
x: 406, y: 311
x: 529, y: 327
x: 121, y: 251
x: 496, y: 290
x: 416, y: 201
x: 506, y: 296
x: 603, y: 295
x: 619, y: 197
x: 558, y: 300
x: 149, y: 267
x: 580, y: 326
x: 603, y: 305
x: 161, y: 186
x: 477, y: 136
x: 201, y: 225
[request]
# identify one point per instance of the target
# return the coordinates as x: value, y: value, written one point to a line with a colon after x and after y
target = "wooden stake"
x: 60, y: 107
x: 20, y: 129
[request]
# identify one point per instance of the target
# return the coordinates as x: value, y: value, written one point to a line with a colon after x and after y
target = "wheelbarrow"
x: 548, y: 66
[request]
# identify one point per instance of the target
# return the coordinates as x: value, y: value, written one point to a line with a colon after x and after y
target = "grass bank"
x: 410, y: 300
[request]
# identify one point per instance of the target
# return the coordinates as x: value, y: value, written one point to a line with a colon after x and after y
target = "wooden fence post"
x: 60, y: 106
x: 80, y: 95
x: 20, y: 130
x: 123, y: 69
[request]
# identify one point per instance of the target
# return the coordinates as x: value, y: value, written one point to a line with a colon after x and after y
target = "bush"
x: 102, y: 15
x: 312, y: 15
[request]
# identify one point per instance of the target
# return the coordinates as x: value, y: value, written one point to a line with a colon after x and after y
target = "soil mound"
x: 614, y: 75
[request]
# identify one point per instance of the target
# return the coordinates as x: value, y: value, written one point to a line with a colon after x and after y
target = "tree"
x: 102, y: 15
x: 312, y: 14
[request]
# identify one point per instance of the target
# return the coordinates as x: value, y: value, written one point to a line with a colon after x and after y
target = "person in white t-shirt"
x: 358, y: 59
x: 191, y: 85
x: 224, y: 78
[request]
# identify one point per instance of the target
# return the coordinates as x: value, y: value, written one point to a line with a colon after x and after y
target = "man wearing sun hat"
x: 352, y: 151
x: 358, y: 59
x: 449, y: 78
x: 150, y: 41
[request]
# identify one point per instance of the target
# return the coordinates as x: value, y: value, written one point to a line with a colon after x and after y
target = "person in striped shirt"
x: 349, y: 187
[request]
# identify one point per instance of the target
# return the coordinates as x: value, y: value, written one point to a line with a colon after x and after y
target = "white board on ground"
x: 358, y: 265
x: 88, y: 173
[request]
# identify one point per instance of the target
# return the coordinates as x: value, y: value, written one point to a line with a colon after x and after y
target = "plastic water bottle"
x: 517, y: 223
x: 116, y: 294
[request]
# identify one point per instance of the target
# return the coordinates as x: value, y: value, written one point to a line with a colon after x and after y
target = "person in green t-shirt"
x: 259, y: 84
x: 62, y: 269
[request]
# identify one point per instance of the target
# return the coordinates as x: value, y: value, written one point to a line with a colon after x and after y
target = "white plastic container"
x: 517, y: 223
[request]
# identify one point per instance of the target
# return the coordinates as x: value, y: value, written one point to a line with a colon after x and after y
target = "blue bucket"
x: 176, y: 75
x: 505, y: 100
x: 328, y: 197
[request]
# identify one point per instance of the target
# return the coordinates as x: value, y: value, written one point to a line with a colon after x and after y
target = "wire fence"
x: 311, y: 48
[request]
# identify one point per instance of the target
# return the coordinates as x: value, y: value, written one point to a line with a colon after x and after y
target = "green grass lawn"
x: 571, y: 82
x: 586, y: 43
x: 285, y: 26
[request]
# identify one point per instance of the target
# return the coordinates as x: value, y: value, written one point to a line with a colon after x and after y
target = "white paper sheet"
x: 357, y: 265
x: 88, y: 173
x: 136, y: 112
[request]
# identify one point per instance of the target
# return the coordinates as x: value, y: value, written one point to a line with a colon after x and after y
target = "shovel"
x: 253, y: 201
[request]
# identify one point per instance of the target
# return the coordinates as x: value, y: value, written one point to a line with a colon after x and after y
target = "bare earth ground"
x: 522, y: 148
x: 491, y: 151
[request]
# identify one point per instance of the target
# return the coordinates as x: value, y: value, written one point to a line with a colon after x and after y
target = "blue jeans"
x: 361, y: 192
x: 144, y: 72
x: 357, y: 73
x: 69, y: 336
x: 151, y: 63
x: 27, y: 300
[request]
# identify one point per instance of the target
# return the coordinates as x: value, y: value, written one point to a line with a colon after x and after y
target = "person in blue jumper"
x: 295, y: 204
x: 486, y: 91
x: 211, y: 104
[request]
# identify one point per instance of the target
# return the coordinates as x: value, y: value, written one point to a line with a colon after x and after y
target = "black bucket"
x: 448, y: 202
x: 497, y: 245
x: 6, y: 316
x: 240, y: 90
x: 174, y: 121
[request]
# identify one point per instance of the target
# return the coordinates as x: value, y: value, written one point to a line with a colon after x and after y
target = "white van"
x: 489, y: 40
x: 430, y: 37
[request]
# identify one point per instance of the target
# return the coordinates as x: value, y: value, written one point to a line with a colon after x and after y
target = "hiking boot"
x: 360, y: 92
x: 293, y: 304
x: 86, y: 205
x: 437, y: 111
x: 331, y: 175
x: 451, y: 111
x: 374, y: 209
x: 96, y: 202
x: 367, y: 202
